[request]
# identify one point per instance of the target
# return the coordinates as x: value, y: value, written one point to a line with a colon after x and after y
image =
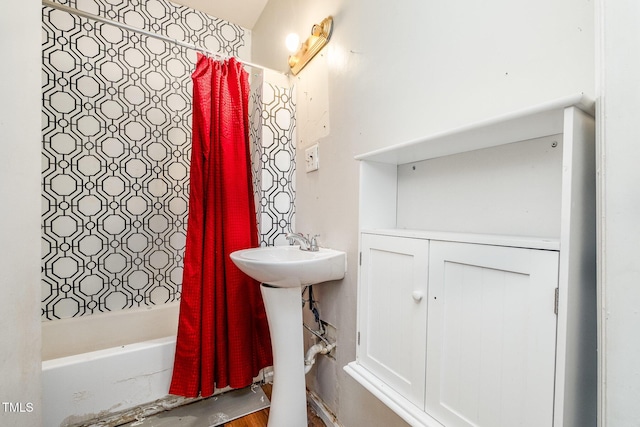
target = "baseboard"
x: 322, y: 410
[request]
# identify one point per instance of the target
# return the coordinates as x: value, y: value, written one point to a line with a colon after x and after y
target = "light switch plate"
x: 311, y: 160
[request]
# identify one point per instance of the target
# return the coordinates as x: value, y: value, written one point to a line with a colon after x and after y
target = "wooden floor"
x: 259, y: 419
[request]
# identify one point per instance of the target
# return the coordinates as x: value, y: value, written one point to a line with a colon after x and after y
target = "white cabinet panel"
x: 393, y: 312
x: 491, y: 335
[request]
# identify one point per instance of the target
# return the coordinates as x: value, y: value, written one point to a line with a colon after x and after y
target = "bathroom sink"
x: 282, y: 270
x: 288, y: 266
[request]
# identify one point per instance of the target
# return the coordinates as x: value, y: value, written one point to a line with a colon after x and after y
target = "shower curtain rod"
x: 146, y: 33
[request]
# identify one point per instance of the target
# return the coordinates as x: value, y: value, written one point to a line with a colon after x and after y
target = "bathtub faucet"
x: 306, y: 244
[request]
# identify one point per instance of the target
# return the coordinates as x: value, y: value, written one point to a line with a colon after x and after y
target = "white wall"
x: 20, y: 214
x: 619, y: 137
x: 393, y: 72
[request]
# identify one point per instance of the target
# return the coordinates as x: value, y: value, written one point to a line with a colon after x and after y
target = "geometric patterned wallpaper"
x: 116, y: 134
x: 274, y: 166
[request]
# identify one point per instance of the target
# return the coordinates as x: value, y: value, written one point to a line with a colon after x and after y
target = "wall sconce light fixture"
x: 320, y: 35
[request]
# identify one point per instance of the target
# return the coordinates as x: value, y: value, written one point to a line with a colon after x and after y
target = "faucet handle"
x: 314, y: 243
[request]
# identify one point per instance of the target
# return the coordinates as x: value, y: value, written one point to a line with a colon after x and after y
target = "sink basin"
x: 288, y: 266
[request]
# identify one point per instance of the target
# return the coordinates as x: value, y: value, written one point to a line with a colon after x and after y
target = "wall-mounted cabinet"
x: 477, y: 295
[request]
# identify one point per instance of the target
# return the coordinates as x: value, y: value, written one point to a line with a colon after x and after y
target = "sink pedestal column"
x: 288, y: 396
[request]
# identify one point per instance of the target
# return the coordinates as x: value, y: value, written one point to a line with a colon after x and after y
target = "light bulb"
x: 293, y: 42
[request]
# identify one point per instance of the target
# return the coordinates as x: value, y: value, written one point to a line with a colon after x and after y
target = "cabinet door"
x: 491, y: 335
x: 393, y: 312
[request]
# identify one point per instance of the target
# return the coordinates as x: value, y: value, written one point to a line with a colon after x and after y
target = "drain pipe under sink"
x: 313, y: 351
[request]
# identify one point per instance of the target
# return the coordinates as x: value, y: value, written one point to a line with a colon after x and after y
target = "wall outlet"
x: 311, y: 160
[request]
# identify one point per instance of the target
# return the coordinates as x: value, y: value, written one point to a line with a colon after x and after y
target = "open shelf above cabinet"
x: 511, y: 175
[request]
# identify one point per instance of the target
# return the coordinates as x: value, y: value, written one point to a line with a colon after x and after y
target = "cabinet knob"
x: 417, y: 296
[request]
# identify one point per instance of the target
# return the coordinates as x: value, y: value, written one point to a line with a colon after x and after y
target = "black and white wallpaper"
x: 273, y: 162
x: 116, y: 133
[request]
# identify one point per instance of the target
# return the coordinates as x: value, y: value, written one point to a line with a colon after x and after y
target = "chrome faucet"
x: 305, y: 243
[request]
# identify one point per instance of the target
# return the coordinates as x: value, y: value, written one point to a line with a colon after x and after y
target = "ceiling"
x: 241, y: 12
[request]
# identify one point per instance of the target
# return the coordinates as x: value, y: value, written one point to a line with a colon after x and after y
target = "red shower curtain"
x: 223, y: 337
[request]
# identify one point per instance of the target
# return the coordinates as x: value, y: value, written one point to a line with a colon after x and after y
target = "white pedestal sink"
x: 283, y: 270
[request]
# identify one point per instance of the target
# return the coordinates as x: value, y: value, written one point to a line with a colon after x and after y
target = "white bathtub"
x: 82, y: 387
x: 107, y: 363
